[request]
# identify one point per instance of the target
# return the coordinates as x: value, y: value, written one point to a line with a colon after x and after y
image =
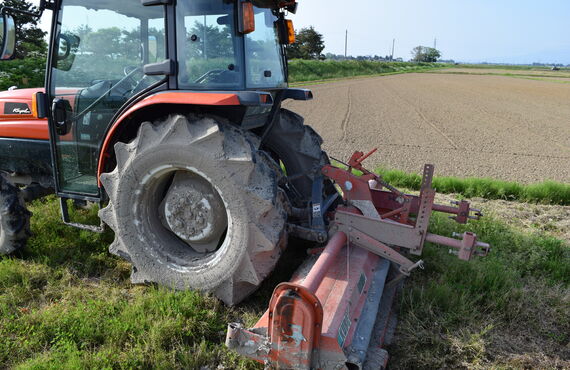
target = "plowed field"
x: 467, y: 125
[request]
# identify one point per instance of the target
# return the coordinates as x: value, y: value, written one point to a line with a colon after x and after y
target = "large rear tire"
x: 14, y: 218
x: 195, y: 205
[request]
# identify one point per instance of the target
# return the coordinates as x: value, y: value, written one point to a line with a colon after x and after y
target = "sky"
x: 497, y: 31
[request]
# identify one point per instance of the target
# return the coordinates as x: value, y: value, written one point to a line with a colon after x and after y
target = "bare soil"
x: 466, y: 125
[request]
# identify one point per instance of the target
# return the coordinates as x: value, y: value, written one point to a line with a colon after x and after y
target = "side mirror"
x: 68, y: 46
x: 7, y: 37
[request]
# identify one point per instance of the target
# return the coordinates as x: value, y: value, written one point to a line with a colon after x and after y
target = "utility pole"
x: 435, y: 43
x: 346, y: 45
x: 393, y: 46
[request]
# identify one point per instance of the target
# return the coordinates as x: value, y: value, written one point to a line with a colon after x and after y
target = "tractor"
x: 168, y: 114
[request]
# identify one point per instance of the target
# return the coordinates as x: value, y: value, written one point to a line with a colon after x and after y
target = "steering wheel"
x: 207, y: 75
x: 139, y: 85
x: 129, y: 72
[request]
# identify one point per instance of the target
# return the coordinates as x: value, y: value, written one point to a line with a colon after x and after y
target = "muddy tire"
x: 14, y: 218
x: 299, y: 148
x: 194, y: 205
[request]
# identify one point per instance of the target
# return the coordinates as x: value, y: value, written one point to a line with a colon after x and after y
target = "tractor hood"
x: 17, y: 104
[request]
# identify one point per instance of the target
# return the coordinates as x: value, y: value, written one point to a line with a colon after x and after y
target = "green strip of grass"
x: 511, y: 67
x: 548, y: 192
x: 535, y: 77
x: 315, y: 70
x: 65, y: 302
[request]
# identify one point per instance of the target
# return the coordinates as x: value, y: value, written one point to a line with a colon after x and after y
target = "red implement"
x: 336, y: 312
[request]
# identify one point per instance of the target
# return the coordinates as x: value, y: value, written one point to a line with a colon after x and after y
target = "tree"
x: 309, y: 44
x: 214, y: 41
x: 425, y: 54
x: 30, y: 38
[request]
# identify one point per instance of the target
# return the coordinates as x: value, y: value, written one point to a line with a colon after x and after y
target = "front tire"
x: 194, y: 205
x: 14, y: 218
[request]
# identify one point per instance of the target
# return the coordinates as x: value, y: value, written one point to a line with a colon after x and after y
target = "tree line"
x: 28, y: 69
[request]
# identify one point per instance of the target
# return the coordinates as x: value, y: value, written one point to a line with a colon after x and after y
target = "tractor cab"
x: 107, y: 55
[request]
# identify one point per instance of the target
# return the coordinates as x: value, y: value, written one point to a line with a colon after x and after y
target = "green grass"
x: 548, y: 192
x: 508, y: 310
x: 66, y: 303
x: 314, y: 70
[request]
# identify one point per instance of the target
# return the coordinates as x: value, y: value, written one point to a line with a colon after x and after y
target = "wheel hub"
x: 194, y: 212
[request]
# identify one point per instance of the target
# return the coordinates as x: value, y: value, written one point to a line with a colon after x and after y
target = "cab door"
x: 96, y: 65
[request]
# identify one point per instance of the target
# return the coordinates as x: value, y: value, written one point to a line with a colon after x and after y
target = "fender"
x: 250, y: 98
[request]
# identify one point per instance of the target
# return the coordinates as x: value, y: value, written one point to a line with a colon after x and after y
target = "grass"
x: 536, y: 73
x: 301, y: 71
x: 548, y: 192
x: 508, y: 310
x: 65, y: 302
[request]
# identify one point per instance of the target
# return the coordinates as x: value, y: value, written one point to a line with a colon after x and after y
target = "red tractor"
x: 169, y: 115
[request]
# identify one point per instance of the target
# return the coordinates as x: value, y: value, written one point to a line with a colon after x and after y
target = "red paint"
x: 186, y: 98
x: 21, y: 126
x: 325, y: 261
x: 25, y: 129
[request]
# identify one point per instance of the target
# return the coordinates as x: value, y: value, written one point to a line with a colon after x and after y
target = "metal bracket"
x: 317, y: 215
x: 374, y: 246
x: 307, y: 233
x: 66, y: 220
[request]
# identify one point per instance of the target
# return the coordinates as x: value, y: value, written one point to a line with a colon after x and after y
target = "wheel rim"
x: 185, y: 213
x: 194, y: 211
